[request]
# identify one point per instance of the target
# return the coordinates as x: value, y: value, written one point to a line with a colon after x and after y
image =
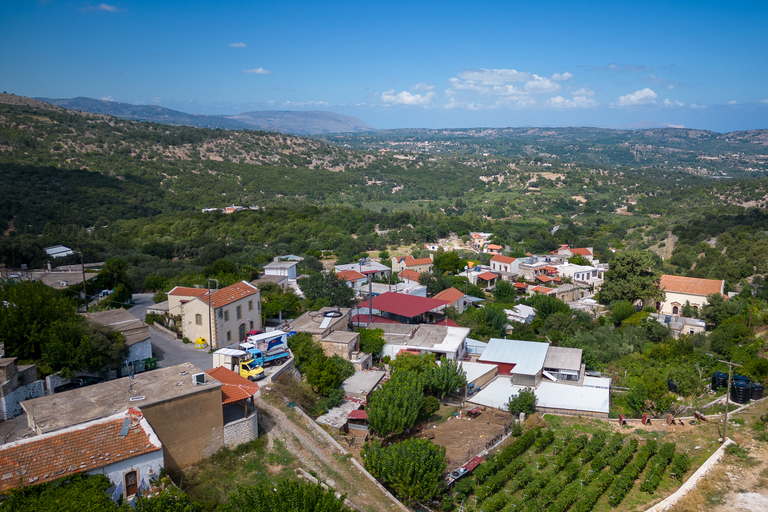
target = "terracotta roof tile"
x: 409, y: 274
x: 231, y: 294
x: 503, y: 259
x: 521, y: 285
x: 233, y: 387
x: 420, y: 261
x: 542, y: 289
x: 582, y: 251
x: 451, y: 295
x: 185, y: 291
x: 350, y: 275
x: 487, y: 276
x: 691, y: 285
x: 82, y: 448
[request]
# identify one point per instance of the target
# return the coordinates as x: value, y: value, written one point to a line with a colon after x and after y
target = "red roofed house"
x: 407, y: 308
x: 225, y: 315
x: 569, y: 252
x: 240, y: 420
x: 180, y: 295
x: 354, y: 279
x: 493, y: 249
x: 543, y: 290
x: 454, y: 297
x: 504, y: 265
x: 409, y: 276
x: 123, y: 447
x: 487, y: 280
x: 420, y: 265
x: 680, y: 289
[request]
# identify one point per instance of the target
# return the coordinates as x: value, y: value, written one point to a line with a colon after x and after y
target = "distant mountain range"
x: 292, y: 122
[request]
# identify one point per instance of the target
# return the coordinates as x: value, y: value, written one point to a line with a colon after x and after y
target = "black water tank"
x: 741, y: 377
x: 719, y: 380
x: 757, y: 391
x: 740, y: 391
x: 671, y: 385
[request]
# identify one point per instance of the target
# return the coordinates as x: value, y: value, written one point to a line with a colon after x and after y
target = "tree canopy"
x: 395, y: 405
x: 327, y: 290
x: 633, y: 276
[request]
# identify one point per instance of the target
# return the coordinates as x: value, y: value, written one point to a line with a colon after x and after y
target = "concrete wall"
x: 191, y: 427
x: 10, y: 403
x: 140, y: 350
x: 570, y: 412
x: 242, y: 430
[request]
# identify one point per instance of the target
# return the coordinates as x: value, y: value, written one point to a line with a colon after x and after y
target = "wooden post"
x: 727, y: 394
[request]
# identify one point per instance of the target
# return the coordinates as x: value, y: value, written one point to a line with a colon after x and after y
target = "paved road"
x: 168, y: 350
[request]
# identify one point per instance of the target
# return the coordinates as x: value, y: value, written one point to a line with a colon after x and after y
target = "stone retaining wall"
x: 241, y: 431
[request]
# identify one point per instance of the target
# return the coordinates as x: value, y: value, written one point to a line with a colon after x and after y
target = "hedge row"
x: 624, y: 483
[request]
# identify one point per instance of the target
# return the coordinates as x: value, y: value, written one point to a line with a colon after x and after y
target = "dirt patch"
x: 465, y: 437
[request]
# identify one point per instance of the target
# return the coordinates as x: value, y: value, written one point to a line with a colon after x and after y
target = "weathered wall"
x: 147, y: 465
x: 242, y: 430
x: 10, y: 403
x: 191, y: 428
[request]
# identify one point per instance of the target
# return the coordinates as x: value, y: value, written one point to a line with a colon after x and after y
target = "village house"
x: 520, y: 313
x: 556, y: 374
x: 135, y: 332
x: 582, y: 274
x: 492, y: 249
x: 182, y: 404
x: 226, y: 314
x: 680, y: 290
x: 420, y: 265
x: 371, y: 269
x: 569, y: 252
x: 438, y: 340
x: 281, y: 268
x: 454, y: 298
x: 507, y: 267
x: 180, y: 295
x: 123, y: 447
x: 354, y: 280
x: 680, y: 324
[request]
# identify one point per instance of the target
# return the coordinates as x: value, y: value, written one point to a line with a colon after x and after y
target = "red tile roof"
x: 185, y: 291
x: 231, y: 294
x: 413, y: 262
x: 542, y: 289
x: 77, y: 449
x: 409, y: 274
x: 691, y: 285
x: 487, y: 276
x: 358, y: 415
x: 521, y: 285
x: 494, y: 247
x: 583, y: 251
x: 543, y: 278
x: 550, y: 268
x: 451, y: 295
x: 447, y: 321
x: 350, y: 275
x: 408, y: 306
x: 233, y: 387
x: 503, y: 259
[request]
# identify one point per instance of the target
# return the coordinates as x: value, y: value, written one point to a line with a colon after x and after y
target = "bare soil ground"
x: 464, y: 437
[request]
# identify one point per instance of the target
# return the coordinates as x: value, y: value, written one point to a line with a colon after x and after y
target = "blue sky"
x: 399, y: 64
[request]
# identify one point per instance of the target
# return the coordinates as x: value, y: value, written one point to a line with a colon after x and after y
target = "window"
x: 250, y: 327
x: 229, y: 335
x: 239, y: 312
x: 250, y: 305
x: 198, y: 319
x: 226, y: 315
x: 131, y: 483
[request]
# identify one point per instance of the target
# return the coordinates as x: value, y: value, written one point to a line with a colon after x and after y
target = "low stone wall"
x: 165, y: 331
x: 690, y: 484
x: 241, y: 431
x: 283, y: 368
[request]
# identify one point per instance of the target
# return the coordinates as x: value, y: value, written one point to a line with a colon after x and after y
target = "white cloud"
x: 696, y: 105
x: 421, y: 86
x: 540, y: 84
x: 732, y: 102
x: 562, y: 77
x: 238, y: 45
x: 107, y: 98
x: 583, y: 91
x: 407, y: 98
x: 670, y: 103
x: 577, y: 102
x: 642, y: 97
x: 305, y: 103
x: 258, y: 71
x: 105, y: 7
x: 494, y: 76
x: 763, y: 101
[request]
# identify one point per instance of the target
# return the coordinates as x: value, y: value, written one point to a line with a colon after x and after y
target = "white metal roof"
x: 551, y: 395
x: 527, y: 356
x: 230, y: 352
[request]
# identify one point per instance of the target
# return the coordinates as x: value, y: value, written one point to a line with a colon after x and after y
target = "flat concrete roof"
x: 60, y: 410
x: 435, y: 338
x: 134, y: 329
x: 345, y: 337
x: 563, y: 358
x: 312, y: 320
x: 474, y: 371
x: 363, y: 382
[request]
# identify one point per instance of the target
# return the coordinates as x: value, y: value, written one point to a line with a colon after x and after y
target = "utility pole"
x: 727, y: 394
x: 210, y: 313
x: 85, y: 292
